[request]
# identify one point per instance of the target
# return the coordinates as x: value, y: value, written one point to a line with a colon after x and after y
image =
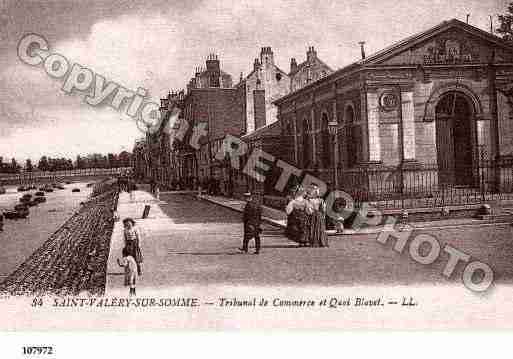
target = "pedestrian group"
x: 306, y: 219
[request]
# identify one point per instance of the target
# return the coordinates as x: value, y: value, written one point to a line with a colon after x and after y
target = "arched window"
x: 307, y: 145
x: 353, y: 137
x: 326, y: 159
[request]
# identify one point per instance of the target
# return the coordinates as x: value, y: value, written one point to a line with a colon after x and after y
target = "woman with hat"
x: 316, y: 218
x: 296, y: 217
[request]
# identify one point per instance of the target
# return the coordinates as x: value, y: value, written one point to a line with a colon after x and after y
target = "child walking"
x: 133, y: 242
x: 128, y: 262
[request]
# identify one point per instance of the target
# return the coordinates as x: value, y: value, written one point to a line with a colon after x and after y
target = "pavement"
x: 277, y: 218
x: 189, y: 242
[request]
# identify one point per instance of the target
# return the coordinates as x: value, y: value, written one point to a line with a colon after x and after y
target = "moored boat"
x: 20, y: 207
x: 40, y: 199
x: 10, y: 215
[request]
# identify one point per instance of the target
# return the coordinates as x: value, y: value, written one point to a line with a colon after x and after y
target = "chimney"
x: 214, y: 70
x: 311, y: 54
x: 212, y: 63
x: 259, y: 108
x: 293, y: 65
x: 256, y: 65
x: 362, y: 48
x: 266, y: 56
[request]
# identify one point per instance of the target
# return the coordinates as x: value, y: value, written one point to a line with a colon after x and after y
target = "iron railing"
x: 424, y: 185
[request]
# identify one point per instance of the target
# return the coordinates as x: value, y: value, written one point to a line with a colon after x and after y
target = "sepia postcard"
x: 255, y: 165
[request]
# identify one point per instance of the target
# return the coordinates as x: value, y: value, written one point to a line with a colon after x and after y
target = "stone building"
x: 210, y: 76
x: 310, y: 70
x: 265, y: 84
x: 220, y: 111
x: 139, y: 162
x: 218, y: 108
x: 436, y: 108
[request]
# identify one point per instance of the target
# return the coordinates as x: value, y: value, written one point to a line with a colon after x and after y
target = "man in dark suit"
x: 252, y: 218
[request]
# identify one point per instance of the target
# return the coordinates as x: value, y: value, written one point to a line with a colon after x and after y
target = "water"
x: 22, y: 237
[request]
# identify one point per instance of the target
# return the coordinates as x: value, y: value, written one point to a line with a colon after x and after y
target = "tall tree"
x: 506, y: 21
x: 28, y: 165
x: 15, y: 168
x: 43, y: 164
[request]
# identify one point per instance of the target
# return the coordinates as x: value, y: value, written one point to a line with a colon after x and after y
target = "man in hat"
x: 252, y: 218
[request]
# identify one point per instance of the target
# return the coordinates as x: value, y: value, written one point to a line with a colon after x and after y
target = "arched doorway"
x: 326, y: 143
x: 455, y: 139
x: 352, y: 137
x: 307, y: 147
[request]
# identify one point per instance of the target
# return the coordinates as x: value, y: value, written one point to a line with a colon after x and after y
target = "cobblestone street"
x: 190, y: 241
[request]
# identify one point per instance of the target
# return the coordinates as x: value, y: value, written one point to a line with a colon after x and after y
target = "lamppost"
x: 333, y: 129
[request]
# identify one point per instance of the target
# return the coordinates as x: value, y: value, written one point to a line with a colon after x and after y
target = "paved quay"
x: 278, y: 218
x: 192, y: 242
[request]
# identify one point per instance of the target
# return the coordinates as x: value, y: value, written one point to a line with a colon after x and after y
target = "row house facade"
x: 437, y: 103
x: 267, y: 82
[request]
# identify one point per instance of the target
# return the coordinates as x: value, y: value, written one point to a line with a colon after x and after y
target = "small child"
x: 133, y: 242
x: 128, y: 262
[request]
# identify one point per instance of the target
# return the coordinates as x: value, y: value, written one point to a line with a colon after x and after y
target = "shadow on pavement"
x: 186, y: 209
x: 206, y: 253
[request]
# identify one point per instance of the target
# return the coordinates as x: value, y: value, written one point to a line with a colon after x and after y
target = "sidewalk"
x: 270, y: 215
x: 278, y: 218
x: 134, y: 209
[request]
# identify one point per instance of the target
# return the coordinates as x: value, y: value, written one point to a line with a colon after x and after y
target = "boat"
x: 40, y: 199
x: 68, y: 182
x: 26, y: 199
x: 40, y: 193
x: 33, y: 203
x: 20, y: 207
x: 23, y: 213
x: 22, y: 189
x: 74, y: 190
x: 11, y: 215
x: 47, y: 189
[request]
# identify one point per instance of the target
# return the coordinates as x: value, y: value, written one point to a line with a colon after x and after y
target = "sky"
x: 157, y: 44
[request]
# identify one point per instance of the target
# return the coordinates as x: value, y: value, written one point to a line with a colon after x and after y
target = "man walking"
x: 252, y: 218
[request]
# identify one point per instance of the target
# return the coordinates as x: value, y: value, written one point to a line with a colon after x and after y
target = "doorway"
x: 455, y: 139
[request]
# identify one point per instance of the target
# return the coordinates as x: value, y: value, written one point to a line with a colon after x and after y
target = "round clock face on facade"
x: 388, y: 101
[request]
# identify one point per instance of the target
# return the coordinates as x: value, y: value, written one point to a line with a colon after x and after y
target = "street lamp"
x: 333, y: 129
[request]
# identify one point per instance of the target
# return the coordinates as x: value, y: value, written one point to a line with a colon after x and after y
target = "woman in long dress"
x: 296, y: 218
x: 133, y: 242
x: 316, y: 219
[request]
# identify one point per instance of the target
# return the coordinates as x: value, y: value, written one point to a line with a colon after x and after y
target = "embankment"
x: 74, y: 258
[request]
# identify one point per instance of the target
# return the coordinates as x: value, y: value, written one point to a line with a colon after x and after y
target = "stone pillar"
x: 295, y: 134
x: 312, y: 125
x: 408, y: 126
x: 373, y: 138
x: 335, y: 139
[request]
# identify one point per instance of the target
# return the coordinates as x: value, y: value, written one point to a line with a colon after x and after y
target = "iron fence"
x: 427, y: 185
x: 28, y: 177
